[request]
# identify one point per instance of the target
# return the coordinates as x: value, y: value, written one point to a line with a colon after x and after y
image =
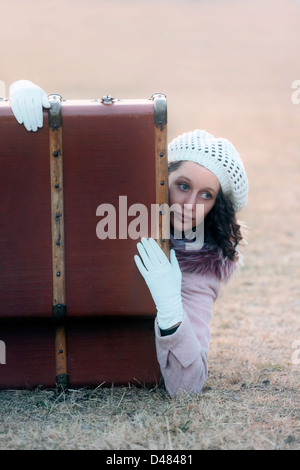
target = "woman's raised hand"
x: 163, y: 278
x: 27, y: 102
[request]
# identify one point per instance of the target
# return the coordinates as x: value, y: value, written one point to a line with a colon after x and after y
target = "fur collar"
x: 206, y: 260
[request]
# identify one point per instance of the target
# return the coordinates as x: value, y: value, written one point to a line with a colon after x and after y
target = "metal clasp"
x: 160, y: 109
x: 55, y: 117
x: 107, y: 99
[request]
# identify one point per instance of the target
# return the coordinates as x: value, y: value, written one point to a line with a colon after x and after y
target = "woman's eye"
x: 206, y: 196
x: 183, y: 186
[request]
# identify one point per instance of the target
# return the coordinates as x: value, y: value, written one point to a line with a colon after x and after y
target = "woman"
x: 203, y: 172
x: 207, y: 171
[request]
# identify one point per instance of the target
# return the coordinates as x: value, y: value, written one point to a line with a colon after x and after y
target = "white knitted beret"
x: 217, y: 155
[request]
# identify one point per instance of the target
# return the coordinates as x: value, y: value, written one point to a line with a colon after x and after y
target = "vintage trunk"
x: 74, y: 309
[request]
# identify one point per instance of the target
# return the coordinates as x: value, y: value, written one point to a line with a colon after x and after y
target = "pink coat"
x: 183, y: 355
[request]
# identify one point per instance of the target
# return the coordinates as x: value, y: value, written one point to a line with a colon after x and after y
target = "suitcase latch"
x: 107, y: 99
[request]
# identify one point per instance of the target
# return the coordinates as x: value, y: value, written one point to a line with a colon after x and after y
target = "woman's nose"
x: 189, y: 207
x: 190, y: 202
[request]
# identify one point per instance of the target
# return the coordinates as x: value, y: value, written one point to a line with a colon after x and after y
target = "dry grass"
x: 256, y: 415
x: 226, y: 66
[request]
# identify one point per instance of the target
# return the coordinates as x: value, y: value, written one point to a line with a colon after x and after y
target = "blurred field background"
x: 226, y: 66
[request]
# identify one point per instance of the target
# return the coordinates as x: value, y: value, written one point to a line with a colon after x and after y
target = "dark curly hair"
x: 221, y: 229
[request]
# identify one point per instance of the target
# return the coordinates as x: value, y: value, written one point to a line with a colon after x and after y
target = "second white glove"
x: 27, y: 102
x: 163, y: 278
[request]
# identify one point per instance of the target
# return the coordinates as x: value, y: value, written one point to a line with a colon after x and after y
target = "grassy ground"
x: 226, y: 66
x: 254, y: 415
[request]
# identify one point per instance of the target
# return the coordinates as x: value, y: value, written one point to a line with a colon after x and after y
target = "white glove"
x: 27, y: 102
x: 163, y: 278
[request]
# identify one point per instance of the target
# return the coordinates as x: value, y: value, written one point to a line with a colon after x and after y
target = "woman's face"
x: 190, y: 185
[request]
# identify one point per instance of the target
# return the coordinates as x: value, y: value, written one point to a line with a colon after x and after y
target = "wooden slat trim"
x: 161, y: 168
x: 58, y: 237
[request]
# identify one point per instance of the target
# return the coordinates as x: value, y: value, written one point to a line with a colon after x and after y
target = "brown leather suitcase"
x: 74, y: 309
